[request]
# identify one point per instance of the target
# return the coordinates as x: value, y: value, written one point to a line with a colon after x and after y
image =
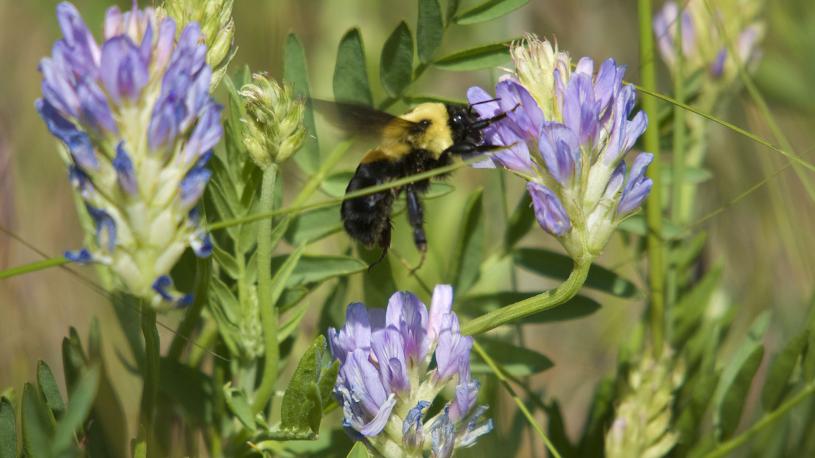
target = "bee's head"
x: 466, y: 125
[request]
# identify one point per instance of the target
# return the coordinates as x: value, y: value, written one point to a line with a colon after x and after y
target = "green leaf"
x: 79, y: 407
x: 452, y: 10
x: 488, y: 11
x: 302, y: 405
x: 465, y: 260
x: 295, y: 71
x: 351, y: 72
x: 49, y: 389
x: 188, y: 387
x: 691, y: 307
x: 516, y: 361
x: 558, y: 266
x: 336, y: 183
x: 238, y: 403
x: 429, y: 29
x: 292, y: 322
x: 520, y: 222
x: 314, y: 225
x: 487, y: 56
x: 396, y: 63
x: 734, y: 384
x: 38, y: 426
x: 317, y: 269
x: 359, y: 450
x: 8, y: 429
x: 577, y: 307
x: 777, y: 384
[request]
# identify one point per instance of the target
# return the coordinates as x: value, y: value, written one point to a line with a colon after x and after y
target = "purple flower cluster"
x: 572, y: 158
x: 384, y: 385
x: 703, y: 46
x: 138, y: 123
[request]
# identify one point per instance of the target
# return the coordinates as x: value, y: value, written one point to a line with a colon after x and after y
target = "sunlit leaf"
x: 49, y: 389
x: 429, y: 29
x: 301, y: 408
x: 295, y: 71
x: 351, y: 72
x: 396, y: 64
x: 314, y: 269
x: 487, y: 56
x: 488, y: 11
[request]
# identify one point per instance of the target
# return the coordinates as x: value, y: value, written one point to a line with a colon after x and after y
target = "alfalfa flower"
x: 138, y: 124
x: 567, y: 132
x: 214, y: 17
x: 385, y: 383
x: 273, y: 123
x: 704, y: 48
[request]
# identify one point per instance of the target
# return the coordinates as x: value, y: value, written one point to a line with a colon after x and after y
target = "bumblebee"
x: 425, y: 138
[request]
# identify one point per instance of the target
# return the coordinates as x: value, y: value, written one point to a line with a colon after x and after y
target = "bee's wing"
x: 358, y: 119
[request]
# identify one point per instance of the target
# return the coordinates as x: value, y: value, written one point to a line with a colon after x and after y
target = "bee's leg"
x: 416, y: 219
x: 384, y: 243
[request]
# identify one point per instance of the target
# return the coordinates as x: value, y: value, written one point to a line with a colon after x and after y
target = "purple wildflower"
x: 569, y: 132
x: 384, y: 378
x: 137, y: 118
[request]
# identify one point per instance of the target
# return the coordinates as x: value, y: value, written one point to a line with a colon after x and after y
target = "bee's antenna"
x: 485, y: 101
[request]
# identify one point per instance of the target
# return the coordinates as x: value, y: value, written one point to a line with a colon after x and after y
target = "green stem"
x: 268, y: 310
x: 653, y: 208
x: 33, y: 267
x: 678, y: 155
x: 152, y: 355
x: 536, y: 304
x: 726, y: 447
x: 499, y: 372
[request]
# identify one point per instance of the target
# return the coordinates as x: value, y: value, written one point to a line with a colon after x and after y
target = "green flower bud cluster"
x: 273, y: 120
x: 215, y: 19
x: 642, y: 424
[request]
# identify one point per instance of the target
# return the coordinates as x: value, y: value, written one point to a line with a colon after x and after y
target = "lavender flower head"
x: 703, y: 47
x: 138, y: 125
x: 567, y: 132
x: 384, y: 385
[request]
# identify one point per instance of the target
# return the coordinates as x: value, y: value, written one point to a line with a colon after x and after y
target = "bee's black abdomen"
x: 367, y: 218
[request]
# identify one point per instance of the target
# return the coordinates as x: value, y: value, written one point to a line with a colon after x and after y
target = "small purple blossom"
x: 385, y: 357
x: 549, y: 211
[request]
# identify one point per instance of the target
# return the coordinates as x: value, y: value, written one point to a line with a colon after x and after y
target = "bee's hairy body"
x: 432, y: 135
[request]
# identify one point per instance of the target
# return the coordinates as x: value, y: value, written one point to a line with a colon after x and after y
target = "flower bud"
x: 273, y: 121
x: 214, y: 17
x: 642, y: 422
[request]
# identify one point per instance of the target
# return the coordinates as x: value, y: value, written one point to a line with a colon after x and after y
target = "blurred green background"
x: 763, y: 241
